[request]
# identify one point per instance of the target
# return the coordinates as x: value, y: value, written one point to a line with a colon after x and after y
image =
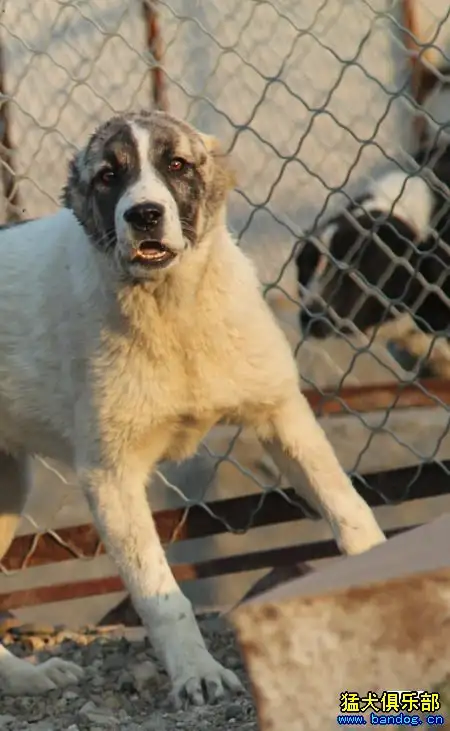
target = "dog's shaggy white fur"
x: 131, y: 323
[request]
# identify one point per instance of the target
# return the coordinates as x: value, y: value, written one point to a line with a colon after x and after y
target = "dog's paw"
x: 203, y: 681
x: 22, y: 678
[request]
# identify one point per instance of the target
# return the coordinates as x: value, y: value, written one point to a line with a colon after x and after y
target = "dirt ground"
x: 124, y: 688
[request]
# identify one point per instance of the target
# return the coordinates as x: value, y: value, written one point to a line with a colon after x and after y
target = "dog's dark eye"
x: 107, y: 176
x: 177, y: 165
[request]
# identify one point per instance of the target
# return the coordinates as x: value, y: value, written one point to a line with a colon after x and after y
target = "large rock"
x: 375, y: 622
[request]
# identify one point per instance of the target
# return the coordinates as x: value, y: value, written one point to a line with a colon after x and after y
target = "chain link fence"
x: 313, y: 100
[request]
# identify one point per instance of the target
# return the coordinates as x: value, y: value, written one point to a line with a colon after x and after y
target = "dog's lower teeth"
x: 157, y: 255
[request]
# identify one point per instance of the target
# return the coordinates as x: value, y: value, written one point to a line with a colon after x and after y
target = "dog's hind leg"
x: 18, y: 676
x: 298, y: 445
x: 14, y: 488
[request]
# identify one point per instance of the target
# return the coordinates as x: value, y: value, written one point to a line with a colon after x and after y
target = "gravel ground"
x: 124, y: 687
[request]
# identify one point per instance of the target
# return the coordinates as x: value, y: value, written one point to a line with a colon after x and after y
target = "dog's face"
x: 364, y: 276
x: 147, y: 188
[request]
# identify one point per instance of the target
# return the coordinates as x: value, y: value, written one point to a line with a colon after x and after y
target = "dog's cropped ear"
x: 224, y: 172
x: 74, y: 192
x: 307, y: 262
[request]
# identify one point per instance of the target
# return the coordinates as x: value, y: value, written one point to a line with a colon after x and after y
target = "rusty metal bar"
x: 13, y: 208
x: 182, y: 572
x: 155, y: 48
x: 83, y: 541
x: 39, y: 549
x: 239, y: 514
x: 425, y: 393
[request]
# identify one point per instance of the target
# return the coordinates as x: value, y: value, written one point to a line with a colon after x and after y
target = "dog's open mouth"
x: 152, y: 253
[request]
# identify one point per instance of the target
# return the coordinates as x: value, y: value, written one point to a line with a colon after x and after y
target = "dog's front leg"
x: 296, y: 442
x: 20, y: 677
x: 118, y: 501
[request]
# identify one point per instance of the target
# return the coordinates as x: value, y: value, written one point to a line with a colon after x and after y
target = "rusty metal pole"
x: 13, y: 208
x: 424, y: 80
x: 155, y: 47
x: 412, y: 45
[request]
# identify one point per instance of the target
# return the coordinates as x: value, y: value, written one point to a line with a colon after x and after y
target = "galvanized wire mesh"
x: 312, y: 99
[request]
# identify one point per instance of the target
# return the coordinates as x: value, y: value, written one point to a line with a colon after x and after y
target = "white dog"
x: 131, y: 323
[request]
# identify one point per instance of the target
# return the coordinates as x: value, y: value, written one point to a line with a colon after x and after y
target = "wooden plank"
x: 182, y: 572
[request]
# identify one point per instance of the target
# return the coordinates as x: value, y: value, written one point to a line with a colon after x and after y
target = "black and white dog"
x: 386, y: 253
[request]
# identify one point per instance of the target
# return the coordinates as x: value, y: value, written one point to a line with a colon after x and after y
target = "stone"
x: 70, y: 695
x: 113, y: 661
x: 113, y: 702
x: 144, y: 674
x: 390, y: 602
x: 98, y: 681
x: 94, y: 651
x: 98, y: 715
x: 126, y: 682
x: 6, y: 720
x: 154, y: 724
x: 234, y: 712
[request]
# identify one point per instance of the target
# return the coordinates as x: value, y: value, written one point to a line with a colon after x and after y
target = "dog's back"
x: 36, y: 290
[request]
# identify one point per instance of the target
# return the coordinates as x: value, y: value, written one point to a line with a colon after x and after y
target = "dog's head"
x: 371, y: 264
x: 148, y: 188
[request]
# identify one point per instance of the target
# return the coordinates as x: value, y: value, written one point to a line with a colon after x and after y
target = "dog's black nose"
x: 146, y: 217
x: 314, y: 321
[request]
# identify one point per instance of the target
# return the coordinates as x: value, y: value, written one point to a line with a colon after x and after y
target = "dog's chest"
x: 178, y: 389
x: 191, y: 388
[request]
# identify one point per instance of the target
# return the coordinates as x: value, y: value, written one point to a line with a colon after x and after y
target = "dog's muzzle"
x: 147, y: 222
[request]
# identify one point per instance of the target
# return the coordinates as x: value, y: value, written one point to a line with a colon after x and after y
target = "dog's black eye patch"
x: 108, y: 176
